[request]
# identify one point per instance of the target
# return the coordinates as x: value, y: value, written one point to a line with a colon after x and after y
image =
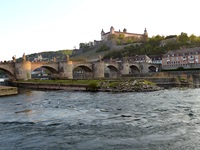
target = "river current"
x: 166, y: 119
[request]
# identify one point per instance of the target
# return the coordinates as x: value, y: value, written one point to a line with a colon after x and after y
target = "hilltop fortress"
x: 139, y: 37
x: 106, y: 36
x: 115, y: 40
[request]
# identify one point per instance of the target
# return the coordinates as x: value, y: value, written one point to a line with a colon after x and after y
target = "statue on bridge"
x: 14, y: 58
x: 54, y: 59
x: 100, y: 58
x: 24, y: 57
x: 67, y: 58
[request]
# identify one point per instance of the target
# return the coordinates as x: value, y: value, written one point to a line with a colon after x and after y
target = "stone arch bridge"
x: 70, y: 70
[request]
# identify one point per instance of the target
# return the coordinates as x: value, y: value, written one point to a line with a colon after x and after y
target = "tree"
x: 82, y: 45
x: 192, y: 38
x: 183, y: 38
x: 121, y: 36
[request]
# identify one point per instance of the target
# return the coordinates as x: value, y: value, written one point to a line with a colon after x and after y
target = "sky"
x: 32, y: 26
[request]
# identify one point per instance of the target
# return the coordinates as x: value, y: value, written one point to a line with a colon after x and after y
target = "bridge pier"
x: 98, y: 69
x: 23, y: 70
x: 66, y: 70
x: 125, y: 68
x: 144, y: 67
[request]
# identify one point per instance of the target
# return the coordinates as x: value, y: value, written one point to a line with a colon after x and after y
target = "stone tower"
x: 102, y: 33
x: 112, y: 30
x: 125, y: 30
x: 145, y: 34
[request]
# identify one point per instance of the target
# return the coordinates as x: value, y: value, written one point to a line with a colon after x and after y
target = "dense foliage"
x: 103, y: 48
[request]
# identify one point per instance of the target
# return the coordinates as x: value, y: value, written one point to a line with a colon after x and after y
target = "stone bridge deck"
x: 63, y: 69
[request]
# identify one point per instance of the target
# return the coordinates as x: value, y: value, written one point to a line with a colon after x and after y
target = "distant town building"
x: 156, y: 59
x: 141, y: 37
x: 90, y: 44
x: 40, y: 58
x: 39, y: 73
x: 140, y: 59
x: 97, y: 42
x: 185, y: 58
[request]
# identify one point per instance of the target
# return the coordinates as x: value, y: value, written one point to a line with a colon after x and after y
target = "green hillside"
x: 119, y: 47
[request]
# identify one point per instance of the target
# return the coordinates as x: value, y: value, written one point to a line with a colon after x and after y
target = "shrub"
x: 103, y: 48
x: 93, y: 86
x: 113, y: 84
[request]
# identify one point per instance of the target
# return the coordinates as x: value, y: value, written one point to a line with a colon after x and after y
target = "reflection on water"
x: 167, y: 119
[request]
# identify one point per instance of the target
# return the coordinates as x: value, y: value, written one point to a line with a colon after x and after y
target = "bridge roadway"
x: 67, y: 69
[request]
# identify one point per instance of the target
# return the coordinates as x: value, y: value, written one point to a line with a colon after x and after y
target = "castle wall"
x: 104, y: 36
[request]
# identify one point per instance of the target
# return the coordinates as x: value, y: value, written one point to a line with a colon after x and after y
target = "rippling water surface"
x: 167, y: 119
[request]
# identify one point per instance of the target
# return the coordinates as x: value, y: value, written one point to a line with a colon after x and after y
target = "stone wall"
x: 5, y: 91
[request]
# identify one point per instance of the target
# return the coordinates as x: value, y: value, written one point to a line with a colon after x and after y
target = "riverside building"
x: 186, y: 58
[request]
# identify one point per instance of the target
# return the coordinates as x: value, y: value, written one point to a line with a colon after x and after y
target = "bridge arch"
x: 134, y: 69
x: 8, y: 73
x: 43, y: 72
x: 51, y: 66
x: 82, y: 72
x: 152, y: 69
x: 111, y: 71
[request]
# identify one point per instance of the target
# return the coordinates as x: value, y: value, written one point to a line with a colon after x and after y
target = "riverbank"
x: 114, y: 85
x: 7, y: 90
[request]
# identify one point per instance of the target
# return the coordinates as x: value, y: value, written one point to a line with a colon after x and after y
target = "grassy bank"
x: 94, y: 85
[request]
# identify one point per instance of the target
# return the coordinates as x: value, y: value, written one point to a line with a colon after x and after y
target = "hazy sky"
x: 30, y: 26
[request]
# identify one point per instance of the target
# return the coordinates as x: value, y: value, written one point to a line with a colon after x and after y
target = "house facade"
x: 140, y: 59
x: 186, y: 58
x: 156, y: 59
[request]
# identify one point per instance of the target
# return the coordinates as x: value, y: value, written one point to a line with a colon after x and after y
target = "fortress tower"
x: 112, y: 30
x: 145, y: 34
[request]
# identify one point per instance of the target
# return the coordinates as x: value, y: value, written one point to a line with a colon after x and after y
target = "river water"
x: 167, y: 119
